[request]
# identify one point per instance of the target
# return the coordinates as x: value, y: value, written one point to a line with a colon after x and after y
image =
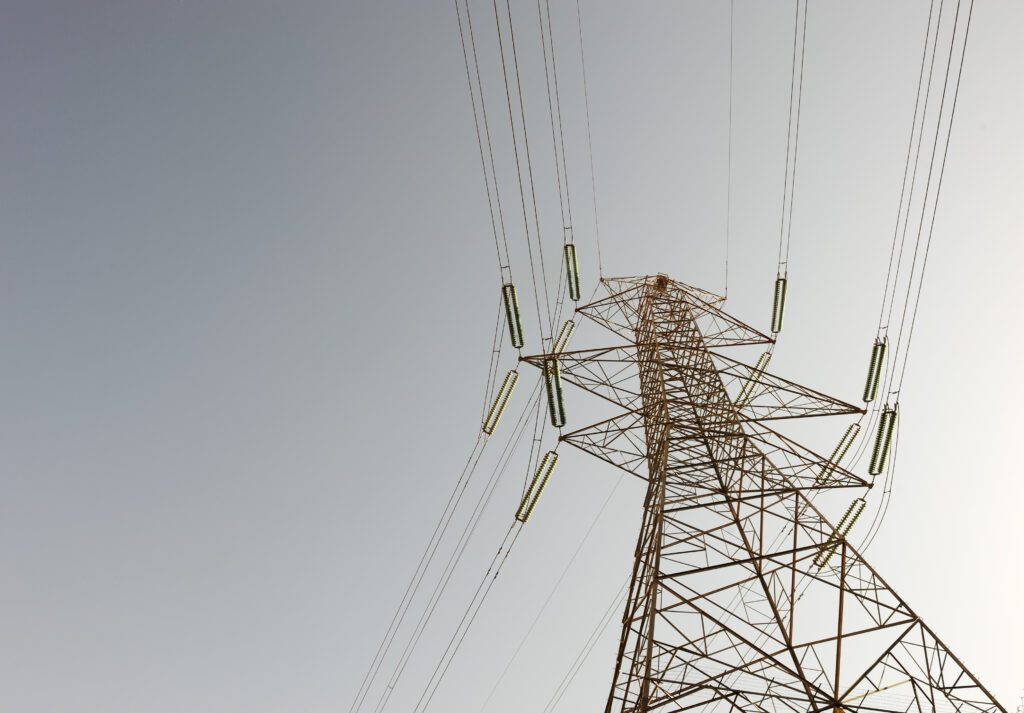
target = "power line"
x: 906, y: 166
x: 551, y: 594
x: 494, y: 207
x: 728, y: 190
x: 469, y: 616
x: 938, y: 189
x: 529, y: 168
x: 876, y: 407
x: 469, y: 529
x: 558, y: 141
x: 796, y: 140
x: 519, y: 171
x: 792, y: 139
x: 469, y: 468
x: 492, y: 369
x: 588, y: 648
x: 893, y: 380
x: 913, y: 182
x: 590, y: 142
x: 555, y: 115
x: 413, y: 587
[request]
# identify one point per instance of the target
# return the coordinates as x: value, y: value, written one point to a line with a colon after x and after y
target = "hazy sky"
x: 247, y: 295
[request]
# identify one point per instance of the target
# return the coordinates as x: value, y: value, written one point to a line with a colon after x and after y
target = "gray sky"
x: 247, y: 293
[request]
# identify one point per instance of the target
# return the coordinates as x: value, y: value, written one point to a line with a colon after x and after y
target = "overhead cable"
x: 590, y: 140
x: 796, y: 87
x: 455, y: 557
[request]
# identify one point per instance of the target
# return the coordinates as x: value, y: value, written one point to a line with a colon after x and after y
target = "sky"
x: 248, y: 294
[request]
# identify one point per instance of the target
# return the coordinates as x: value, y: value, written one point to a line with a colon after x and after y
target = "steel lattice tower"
x: 728, y: 608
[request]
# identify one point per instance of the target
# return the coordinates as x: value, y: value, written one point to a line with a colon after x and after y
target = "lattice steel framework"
x: 725, y: 558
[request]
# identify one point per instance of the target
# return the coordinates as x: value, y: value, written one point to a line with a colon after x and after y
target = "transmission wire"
x: 796, y: 140
x: 529, y: 165
x: 519, y: 172
x: 883, y: 508
x: 551, y: 594
x: 455, y: 498
x: 783, y: 265
x: 492, y: 370
x: 906, y: 166
x: 475, y: 604
x: 590, y: 143
x: 440, y: 529
x: 938, y: 189
x: 895, y: 382
x: 456, y: 556
x: 874, y: 411
x: 913, y: 182
x: 413, y: 587
x: 728, y: 190
x: 558, y: 140
x: 558, y: 108
x: 442, y: 667
x: 588, y: 648
x: 503, y: 264
x: 555, y: 114
x: 539, y: 425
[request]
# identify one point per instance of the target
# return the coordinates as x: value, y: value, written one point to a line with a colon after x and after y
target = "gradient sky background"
x: 247, y: 293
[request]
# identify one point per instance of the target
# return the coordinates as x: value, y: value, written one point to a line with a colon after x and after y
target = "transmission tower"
x: 743, y: 595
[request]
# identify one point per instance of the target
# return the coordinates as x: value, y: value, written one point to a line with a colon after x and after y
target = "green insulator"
x: 828, y: 548
x: 553, y: 386
x: 779, y: 305
x: 825, y: 553
x: 515, y: 324
x: 875, y: 370
x: 748, y: 387
x: 572, y: 271
x: 883, y: 440
x: 837, y: 455
x: 540, y: 480
x: 563, y: 337
x: 500, y: 402
x: 850, y: 518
